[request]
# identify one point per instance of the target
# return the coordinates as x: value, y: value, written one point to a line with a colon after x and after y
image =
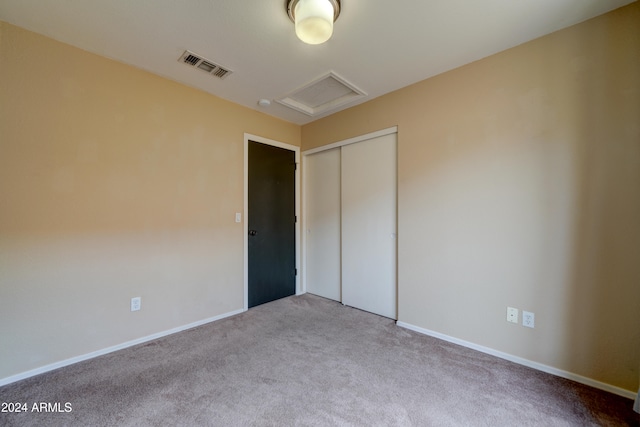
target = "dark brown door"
x: 271, y: 222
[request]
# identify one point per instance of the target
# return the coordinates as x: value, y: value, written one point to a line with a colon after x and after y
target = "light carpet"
x: 308, y: 361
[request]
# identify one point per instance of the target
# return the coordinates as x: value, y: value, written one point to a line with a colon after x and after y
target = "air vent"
x: 205, y: 65
x: 221, y: 72
x: 191, y: 59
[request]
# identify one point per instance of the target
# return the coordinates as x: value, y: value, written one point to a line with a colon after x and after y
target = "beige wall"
x: 114, y: 183
x: 519, y: 185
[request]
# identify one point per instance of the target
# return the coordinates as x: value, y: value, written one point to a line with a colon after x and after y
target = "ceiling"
x: 377, y: 47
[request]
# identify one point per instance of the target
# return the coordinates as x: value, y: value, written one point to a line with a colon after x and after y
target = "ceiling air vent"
x: 205, y: 65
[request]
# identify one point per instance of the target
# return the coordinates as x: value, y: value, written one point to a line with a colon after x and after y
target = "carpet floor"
x: 307, y: 361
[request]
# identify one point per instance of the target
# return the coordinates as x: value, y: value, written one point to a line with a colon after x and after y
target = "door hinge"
x: 295, y: 218
x: 295, y: 166
x: 295, y: 271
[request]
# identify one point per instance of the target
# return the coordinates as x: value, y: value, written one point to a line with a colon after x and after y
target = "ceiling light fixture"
x: 313, y: 18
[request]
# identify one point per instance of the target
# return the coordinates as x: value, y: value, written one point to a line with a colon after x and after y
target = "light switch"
x: 238, y: 217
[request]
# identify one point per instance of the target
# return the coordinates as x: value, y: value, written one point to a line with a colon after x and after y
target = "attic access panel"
x: 321, y: 95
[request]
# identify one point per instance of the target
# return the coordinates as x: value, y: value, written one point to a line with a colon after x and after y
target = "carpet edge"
x: 111, y: 349
x: 522, y: 361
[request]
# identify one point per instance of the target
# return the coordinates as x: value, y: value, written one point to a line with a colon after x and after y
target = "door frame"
x: 245, y: 226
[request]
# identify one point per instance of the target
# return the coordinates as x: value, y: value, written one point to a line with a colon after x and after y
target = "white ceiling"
x: 378, y: 46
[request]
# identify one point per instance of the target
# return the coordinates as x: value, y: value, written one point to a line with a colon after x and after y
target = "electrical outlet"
x: 528, y: 319
x: 136, y: 303
x: 512, y: 315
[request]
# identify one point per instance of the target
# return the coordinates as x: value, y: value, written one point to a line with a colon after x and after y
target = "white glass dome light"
x: 314, y: 19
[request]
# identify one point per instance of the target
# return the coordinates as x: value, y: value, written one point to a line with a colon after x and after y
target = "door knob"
x: 252, y: 232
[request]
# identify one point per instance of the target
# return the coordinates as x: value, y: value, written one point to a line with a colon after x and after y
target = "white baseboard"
x: 521, y: 361
x: 71, y: 361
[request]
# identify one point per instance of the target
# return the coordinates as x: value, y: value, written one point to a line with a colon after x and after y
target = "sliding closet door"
x: 322, y: 223
x: 369, y: 186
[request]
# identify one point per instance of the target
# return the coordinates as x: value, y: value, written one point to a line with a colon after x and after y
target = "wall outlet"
x: 528, y: 319
x: 136, y: 303
x: 512, y: 315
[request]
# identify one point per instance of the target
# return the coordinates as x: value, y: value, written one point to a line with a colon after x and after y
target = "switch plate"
x: 528, y: 319
x: 238, y: 217
x: 512, y: 315
x: 136, y: 303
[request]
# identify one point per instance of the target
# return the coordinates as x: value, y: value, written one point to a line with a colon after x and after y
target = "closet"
x: 350, y: 199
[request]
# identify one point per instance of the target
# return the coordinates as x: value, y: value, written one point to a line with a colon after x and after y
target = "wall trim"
x: 94, y: 354
x: 525, y: 362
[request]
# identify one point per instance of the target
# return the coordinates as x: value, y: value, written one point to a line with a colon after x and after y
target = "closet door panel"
x: 369, y: 187
x: 322, y: 205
